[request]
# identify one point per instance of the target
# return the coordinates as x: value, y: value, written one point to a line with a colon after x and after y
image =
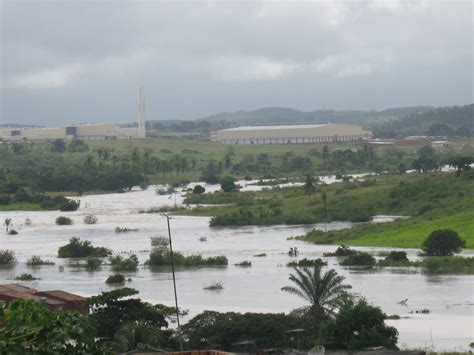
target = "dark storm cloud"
x: 66, y: 61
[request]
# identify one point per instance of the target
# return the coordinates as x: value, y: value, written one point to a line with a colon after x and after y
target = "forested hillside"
x: 448, y: 121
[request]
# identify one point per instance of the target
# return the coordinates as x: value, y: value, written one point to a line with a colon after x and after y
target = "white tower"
x: 141, y: 112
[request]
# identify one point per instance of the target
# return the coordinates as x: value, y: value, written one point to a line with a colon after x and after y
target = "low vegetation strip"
x: 401, y: 233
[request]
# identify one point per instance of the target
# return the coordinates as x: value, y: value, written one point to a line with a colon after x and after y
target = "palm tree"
x: 309, y: 185
x: 137, y: 336
x: 325, y: 292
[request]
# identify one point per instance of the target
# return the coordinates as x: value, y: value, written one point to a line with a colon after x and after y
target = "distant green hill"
x: 282, y: 115
x: 446, y: 121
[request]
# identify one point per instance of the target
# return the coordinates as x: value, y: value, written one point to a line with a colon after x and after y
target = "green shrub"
x: 7, y: 257
x: 359, y: 259
x: 81, y: 249
x: 63, y: 221
x: 12, y: 232
x: 307, y: 262
x: 163, y: 258
x: 37, y: 261
x: 115, y: 279
x: 342, y: 250
x: 397, y: 256
x: 93, y: 263
x: 26, y: 277
x: 244, y: 264
x: 67, y: 205
x: 119, y: 263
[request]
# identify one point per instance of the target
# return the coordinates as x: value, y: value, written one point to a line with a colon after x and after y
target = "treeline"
x: 449, y: 121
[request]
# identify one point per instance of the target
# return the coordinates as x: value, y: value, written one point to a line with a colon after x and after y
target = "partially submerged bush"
x: 397, y: 256
x: 63, y: 221
x: 244, y: 264
x: 7, y: 257
x: 81, y: 249
x: 359, y: 259
x: 163, y: 258
x: 37, y: 261
x: 261, y: 255
x: 125, y: 230
x: 26, y: 277
x: 12, y: 232
x: 119, y: 263
x: 115, y: 279
x: 90, y: 219
x: 215, y: 286
x: 342, y: 250
x: 93, y: 263
x: 307, y: 262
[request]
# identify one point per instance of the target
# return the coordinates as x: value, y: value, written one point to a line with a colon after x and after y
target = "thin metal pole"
x: 174, y: 286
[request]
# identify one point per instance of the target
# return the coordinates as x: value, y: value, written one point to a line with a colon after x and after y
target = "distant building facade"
x: 87, y: 131
x: 290, y: 134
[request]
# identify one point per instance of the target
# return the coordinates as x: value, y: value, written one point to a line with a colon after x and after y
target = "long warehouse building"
x: 287, y: 134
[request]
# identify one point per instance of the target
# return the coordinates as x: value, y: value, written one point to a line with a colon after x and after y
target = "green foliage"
x: 341, y: 251
x: 25, y: 277
x: 163, y: 258
x: 325, y: 293
x: 228, y: 184
x: 214, y: 330
x: 119, y: 263
x: 115, y: 279
x: 81, y: 249
x: 307, y: 263
x: 37, y: 261
x: 244, y: 263
x: 358, y: 325
x: 63, y: 221
x: 58, y: 146
x: 93, y: 263
x: 137, y: 336
x: 69, y: 205
x: 449, y: 265
x: 7, y: 257
x: 30, y: 328
x: 359, y: 259
x: 443, y: 242
x: 198, y: 190
x: 111, y: 311
x: 397, y: 256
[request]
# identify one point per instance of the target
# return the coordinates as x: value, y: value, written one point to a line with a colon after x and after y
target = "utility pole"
x: 174, y: 286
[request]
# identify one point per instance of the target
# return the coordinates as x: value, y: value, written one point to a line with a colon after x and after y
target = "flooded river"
x: 448, y: 326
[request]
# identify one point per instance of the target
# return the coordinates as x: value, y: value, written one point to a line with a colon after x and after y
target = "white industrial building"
x: 287, y: 134
x: 86, y: 131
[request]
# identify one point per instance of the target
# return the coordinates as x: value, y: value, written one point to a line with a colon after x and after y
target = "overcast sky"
x: 82, y: 61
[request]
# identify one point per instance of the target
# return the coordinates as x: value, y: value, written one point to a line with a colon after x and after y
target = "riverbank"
x: 403, y: 233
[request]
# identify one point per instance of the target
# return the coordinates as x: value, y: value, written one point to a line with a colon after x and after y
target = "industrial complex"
x: 85, y: 131
x: 285, y: 134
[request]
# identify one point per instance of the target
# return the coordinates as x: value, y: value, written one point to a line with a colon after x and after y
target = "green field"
x: 21, y: 206
x: 412, y: 235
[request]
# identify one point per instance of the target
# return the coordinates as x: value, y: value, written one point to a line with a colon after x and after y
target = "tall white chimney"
x: 141, y: 112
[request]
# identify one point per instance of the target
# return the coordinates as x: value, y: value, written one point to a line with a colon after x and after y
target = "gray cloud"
x: 66, y: 61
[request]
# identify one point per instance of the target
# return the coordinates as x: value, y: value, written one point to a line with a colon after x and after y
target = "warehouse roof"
x: 296, y: 126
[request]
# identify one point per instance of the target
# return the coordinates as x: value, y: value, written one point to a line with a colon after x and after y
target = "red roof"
x: 62, y: 295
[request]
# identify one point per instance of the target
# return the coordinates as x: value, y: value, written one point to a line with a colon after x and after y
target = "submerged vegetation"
x: 37, y: 261
x: 77, y: 248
